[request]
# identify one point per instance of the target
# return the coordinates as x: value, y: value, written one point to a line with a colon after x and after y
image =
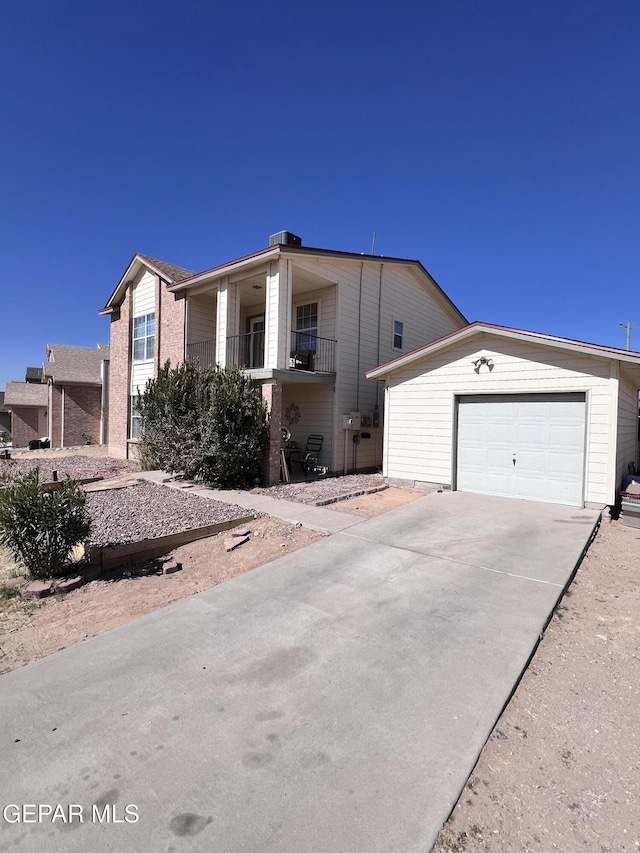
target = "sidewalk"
x: 314, y: 517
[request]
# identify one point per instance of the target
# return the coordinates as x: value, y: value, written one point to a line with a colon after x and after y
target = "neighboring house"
x: 27, y: 403
x: 5, y: 416
x: 304, y: 323
x: 506, y: 412
x: 78, y: 411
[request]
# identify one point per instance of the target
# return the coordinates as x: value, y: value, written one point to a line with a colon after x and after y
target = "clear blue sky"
x: 498, y: 142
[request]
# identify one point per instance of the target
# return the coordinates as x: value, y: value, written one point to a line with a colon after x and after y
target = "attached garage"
x: 505, y: 412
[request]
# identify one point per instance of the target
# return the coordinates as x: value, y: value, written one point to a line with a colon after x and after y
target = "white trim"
x: 528, y: 337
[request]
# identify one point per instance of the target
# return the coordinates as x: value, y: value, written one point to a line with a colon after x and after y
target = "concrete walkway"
x: 332, y: 701
x: 316, y: 517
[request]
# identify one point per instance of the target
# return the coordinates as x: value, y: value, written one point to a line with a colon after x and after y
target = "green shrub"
x: 209, y: 425
x: 41, y: 529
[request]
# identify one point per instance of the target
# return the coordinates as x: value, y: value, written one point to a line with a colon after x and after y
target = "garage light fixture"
x: 477, y: 364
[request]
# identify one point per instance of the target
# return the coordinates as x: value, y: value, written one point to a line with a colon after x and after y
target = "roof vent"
x: 285, y: 238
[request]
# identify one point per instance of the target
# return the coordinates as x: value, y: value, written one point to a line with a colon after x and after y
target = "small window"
x: 306, y: 327
x: 135, y: 430
x: 144, y: 336
x: 398, y: 333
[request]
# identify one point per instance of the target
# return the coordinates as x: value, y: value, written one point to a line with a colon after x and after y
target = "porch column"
x: 278, y: 315
x: 227, y: 318
x: 272, y: 395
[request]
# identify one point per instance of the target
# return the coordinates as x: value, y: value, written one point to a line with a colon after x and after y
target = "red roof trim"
x: 492, y: 326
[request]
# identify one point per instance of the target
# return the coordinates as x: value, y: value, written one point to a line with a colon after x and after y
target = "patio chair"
x: 308, y: 458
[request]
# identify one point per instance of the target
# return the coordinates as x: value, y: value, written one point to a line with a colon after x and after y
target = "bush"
x: 41, y: 529
x: 208, y: 425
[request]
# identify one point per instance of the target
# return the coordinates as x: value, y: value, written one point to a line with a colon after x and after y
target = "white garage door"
x: 526, y: 446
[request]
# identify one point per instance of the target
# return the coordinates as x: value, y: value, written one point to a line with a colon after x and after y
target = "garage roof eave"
x: 477, y: 328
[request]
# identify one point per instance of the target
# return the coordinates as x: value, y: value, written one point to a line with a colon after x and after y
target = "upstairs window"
x: 306, y: 326
x: 144, y: 336
x: 398, y: 334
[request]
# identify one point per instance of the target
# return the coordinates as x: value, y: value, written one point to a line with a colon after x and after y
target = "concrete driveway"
x: 332, y: 701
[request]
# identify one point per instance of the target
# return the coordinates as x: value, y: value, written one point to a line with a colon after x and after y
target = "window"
x: 307, y: 323
x: 398, y: 333
x: 144, y: 335
x: 135, y: 430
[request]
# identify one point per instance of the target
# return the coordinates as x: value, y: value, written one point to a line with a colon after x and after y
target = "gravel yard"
x: 318, y: 490
x: 146, y: 510
x: 78, y: 467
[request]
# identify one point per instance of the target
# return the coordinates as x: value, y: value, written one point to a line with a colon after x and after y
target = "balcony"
x: 307, y: 353
x: 204, y: 352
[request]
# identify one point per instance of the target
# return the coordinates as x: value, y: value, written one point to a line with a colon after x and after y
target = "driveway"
x: 332, y: 701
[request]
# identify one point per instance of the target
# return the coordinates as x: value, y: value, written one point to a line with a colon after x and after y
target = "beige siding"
x: 627, y: 426
x: 326, y: 299
x: 202, y: 318
x: 141, y: 372
x: 315, y: 402
x: 422, y: 402
x: 144, y: 295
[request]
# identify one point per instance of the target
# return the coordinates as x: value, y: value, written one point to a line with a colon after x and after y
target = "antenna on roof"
x: 373, y: 243
x: 627, y: 326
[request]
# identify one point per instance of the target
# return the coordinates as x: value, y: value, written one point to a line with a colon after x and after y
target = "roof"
x: 171, y: 273
x: 25, y: 394
x: 33, y: 374
x: 75, y: 365
x: 192, y: 278
x: 504, y: 332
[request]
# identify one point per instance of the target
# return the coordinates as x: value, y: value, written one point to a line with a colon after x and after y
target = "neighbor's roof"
x: 170, y: 273
x: 504, y: 332
x: 18, y: 394
x: 3, y: 408
x: 75, y: 365
x: 188, y: 279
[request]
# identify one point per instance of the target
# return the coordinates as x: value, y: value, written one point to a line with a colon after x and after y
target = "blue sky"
x: 498, y: 142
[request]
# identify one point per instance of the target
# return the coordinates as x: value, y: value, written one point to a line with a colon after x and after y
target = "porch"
x: 307, y: 352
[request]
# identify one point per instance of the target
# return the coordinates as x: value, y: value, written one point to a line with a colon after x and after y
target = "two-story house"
x: 305, y: 323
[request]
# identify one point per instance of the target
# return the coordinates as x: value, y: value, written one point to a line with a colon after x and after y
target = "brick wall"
x: 55, y: 415
x: 119, y: 379
x: 170, y: 309
x: 82, y: 405
x: 272, y: 395
x: 25, y: 425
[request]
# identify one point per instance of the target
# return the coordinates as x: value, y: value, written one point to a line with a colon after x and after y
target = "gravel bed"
x: 78, y: 467
x: 147, y: 510
x: 319, y: 490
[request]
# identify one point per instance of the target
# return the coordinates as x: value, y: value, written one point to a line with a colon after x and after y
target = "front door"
x: 256, y: 341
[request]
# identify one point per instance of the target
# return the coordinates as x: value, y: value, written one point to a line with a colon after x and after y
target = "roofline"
x: 506, y: 332
x: 282, y: 249
x: 109, y: 308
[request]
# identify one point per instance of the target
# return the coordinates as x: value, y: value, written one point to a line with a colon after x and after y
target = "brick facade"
x: 25, y: 424
x: 272, y: 395
x: 55, y: 415
x: 119, y: 379
x: 82, y: 404
x: 170, y: 316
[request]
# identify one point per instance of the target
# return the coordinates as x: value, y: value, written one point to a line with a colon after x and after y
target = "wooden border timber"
x: 111, y: 556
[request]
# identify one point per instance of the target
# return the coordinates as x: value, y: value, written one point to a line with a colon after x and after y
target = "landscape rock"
x: 233, y: 542
x: 36, y: 589
x: 238, y: 533
x: 170, y: 567
x: 69, y: 584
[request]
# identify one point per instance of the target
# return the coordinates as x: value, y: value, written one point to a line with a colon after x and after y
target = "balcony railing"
x: 246, y: 351
x: 308, y: 352
x: 203, y: 352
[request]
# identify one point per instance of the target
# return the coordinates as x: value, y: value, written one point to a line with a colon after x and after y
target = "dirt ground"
x: 31, y: 631
x: 369, y: 506
x: 561, y: 770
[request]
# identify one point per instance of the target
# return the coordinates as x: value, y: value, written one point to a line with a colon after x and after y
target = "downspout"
x: 359, y: 341
x: 158, y: 325
x: 379, y: 330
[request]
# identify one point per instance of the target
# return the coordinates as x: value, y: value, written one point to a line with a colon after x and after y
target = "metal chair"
x: 308, y: 458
